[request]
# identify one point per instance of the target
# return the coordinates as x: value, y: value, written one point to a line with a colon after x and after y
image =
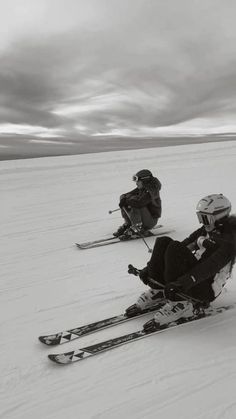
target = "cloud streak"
x: 111, y: 66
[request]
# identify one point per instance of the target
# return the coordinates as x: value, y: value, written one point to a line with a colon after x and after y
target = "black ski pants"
x: 170, y: 260
x: 139, y: 215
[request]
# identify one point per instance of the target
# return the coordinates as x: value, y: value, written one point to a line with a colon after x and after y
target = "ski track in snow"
x: 48, y: 285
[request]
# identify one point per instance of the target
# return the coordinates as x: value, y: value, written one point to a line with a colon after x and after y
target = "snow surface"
x: 48, y: 285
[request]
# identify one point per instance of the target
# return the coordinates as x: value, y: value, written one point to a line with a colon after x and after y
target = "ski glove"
x: 171, y: 290
x: 142, y: 273
x: 206, y: 243
x: 122, y: 202
x: 186, y: 282
x: 182, y: 284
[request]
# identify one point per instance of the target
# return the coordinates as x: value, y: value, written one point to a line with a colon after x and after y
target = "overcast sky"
x: 128, y: 67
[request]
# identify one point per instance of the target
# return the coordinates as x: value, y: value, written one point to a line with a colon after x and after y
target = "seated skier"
x: 189, y: 275
x: 141, y: 207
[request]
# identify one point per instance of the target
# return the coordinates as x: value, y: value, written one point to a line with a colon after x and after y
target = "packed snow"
x: 48, y: 284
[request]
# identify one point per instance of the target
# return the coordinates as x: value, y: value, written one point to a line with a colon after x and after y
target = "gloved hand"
x: 122, y: 202
x: 142, y: 273
x: 182, y: 284
x: 171, y: 290
x: 132, y: 270
x: 186, y: 282
x: 205, y: 242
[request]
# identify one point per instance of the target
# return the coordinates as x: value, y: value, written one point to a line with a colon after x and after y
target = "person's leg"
x: 148, y: 221
x: 178, y: 260
x: 155, y: 270
x: 134, y: 215
x: 126, y: 216
x: 157, y: 264
x: 140, y: 222
x: 127, y: 223
x: 140, y: 216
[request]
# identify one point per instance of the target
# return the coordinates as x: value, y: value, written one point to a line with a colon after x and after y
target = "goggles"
x: 135, y: 178
x: 205, y: 219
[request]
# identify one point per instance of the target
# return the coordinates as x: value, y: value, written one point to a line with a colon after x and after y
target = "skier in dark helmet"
x: 141, y: 207
x: 192, y: 273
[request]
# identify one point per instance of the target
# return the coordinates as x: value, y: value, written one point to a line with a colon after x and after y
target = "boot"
x: 135, y: 233
x: 170, y: 312
x: 121, y: 230
x: 146, y: 300
x: 129, y: 234
x: 133, y: 310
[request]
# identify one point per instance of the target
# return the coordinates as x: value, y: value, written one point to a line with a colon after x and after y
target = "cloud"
x: 96, y: 67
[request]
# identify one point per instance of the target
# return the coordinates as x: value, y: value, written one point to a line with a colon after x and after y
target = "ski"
x: 92, y: 350
x: 72, y: 334
x: 92, y: 242
x: 114, y: 240
x: 107, y: 239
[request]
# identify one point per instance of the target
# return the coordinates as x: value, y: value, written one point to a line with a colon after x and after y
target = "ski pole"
x: 111, y: 211
x: 143, y: 239
x: 135, y: 271
x: 137, y: 231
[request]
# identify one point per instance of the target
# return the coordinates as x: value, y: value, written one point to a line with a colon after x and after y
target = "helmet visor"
x: 205, y: 219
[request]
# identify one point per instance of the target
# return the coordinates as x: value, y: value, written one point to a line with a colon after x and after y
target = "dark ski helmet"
x: 144, y: 175
x: 213, y: 208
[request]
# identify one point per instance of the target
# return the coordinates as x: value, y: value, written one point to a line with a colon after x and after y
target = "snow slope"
x: 47, y: 284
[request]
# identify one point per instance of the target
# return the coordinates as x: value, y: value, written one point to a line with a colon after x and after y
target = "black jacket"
x: 220, y: 245
x: 148, y: 196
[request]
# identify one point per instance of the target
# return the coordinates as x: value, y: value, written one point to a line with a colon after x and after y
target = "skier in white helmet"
x: 141, y: 207
x: 192, y: 273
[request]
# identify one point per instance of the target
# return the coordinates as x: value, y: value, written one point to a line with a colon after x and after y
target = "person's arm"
x: 139, y: 201
x: 207, y: 268
x: 125, y: 196
x: 194, y: 236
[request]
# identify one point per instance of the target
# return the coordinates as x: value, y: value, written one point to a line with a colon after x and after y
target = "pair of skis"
x: 92, y: 350
x: 113, y: 240
x: 100, y: 347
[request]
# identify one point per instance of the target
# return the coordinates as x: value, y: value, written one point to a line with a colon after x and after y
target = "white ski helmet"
x: 212, y: 208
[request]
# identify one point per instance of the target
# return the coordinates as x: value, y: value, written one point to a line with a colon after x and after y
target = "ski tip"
x: 42, y: 339
x: 50, y: 340
x: 61, y: 359
x: 82, y: 246
x: 53, y: 358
